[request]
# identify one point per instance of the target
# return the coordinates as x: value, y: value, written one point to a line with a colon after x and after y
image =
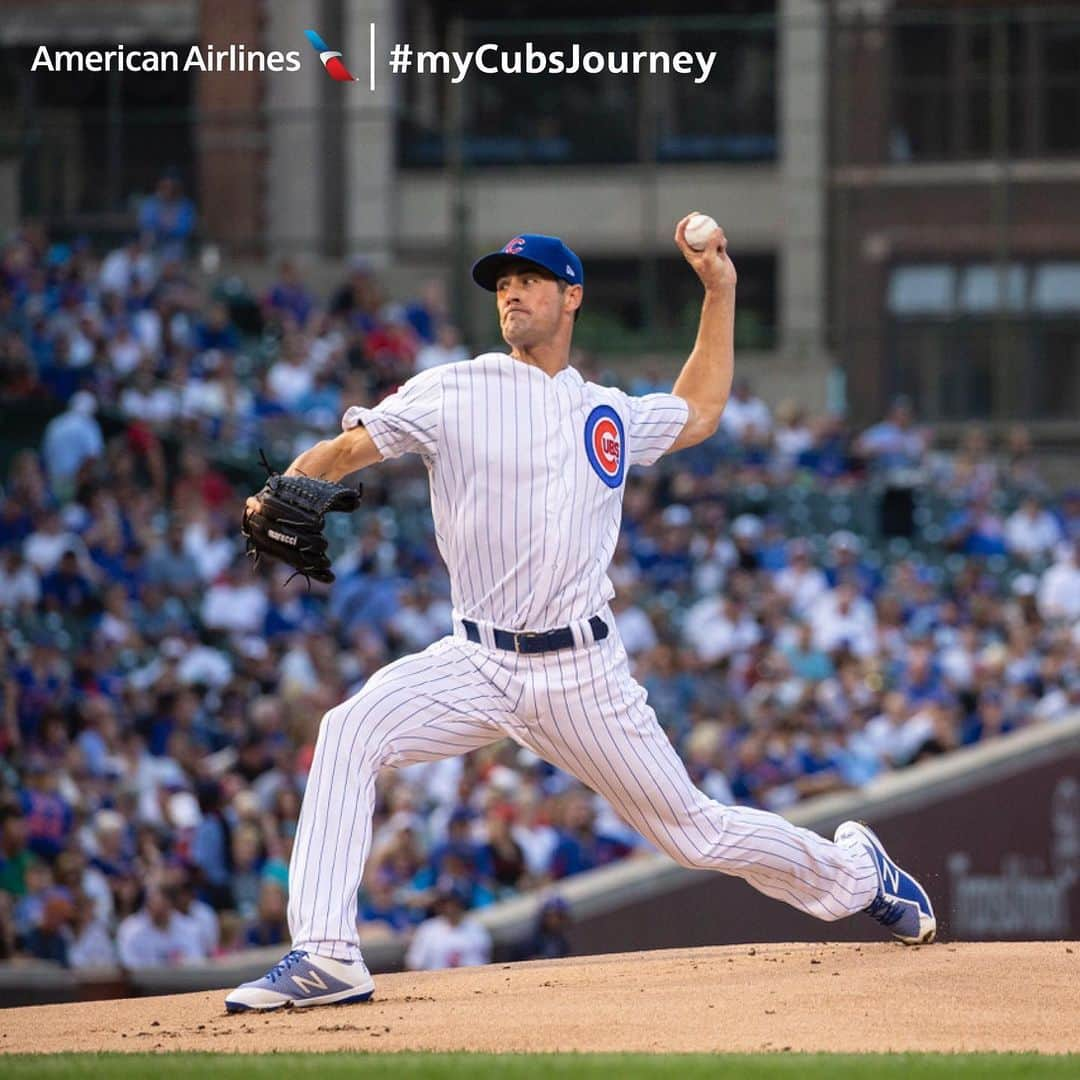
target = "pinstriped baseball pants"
x: 581, y: 710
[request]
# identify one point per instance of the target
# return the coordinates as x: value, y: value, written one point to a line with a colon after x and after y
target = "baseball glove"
x: 289, y: 523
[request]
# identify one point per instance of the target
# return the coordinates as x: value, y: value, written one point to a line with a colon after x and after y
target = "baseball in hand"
x: 698, y: 229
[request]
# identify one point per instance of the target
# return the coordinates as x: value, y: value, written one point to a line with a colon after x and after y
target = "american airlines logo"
x: 331, y: 59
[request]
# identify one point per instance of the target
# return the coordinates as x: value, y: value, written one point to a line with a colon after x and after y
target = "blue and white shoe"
x: 901, y: 903
x: 301, y: 979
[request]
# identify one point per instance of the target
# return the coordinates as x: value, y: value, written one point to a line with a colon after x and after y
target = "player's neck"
x: 550, y: 358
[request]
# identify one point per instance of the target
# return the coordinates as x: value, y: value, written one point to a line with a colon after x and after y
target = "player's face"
x: 531, y: 306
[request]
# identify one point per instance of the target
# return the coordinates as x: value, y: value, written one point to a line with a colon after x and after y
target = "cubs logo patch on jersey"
x: 605, y: 445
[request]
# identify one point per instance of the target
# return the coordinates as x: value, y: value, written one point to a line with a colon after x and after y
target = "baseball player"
x: 527, y: 463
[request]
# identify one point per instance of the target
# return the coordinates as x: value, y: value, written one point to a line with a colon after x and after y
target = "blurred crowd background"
x: 809, y: 606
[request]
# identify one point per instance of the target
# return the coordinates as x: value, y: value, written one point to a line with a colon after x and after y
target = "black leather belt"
x: 526, y: 641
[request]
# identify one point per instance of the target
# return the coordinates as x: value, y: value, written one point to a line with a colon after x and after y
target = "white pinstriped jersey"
x: 527, y: 474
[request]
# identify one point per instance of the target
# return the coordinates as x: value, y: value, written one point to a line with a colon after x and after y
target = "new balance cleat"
x: 901, y: 904
x: 301, y: 979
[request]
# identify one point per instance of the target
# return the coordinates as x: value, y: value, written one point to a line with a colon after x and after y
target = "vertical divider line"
x: 371, y: 58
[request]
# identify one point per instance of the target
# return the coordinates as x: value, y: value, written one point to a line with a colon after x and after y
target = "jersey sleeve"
x: 409, y: 421
x: 654, y: 422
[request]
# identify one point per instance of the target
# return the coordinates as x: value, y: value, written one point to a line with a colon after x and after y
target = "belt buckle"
x: 517, y: 641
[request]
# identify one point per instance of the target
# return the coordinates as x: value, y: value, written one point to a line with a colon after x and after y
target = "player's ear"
x: 572, y: 297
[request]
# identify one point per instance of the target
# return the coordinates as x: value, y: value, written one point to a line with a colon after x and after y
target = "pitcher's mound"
x: 852, y: 998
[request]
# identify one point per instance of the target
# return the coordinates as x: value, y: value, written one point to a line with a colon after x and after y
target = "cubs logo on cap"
x: 547, y: 251
x: 605, y: 445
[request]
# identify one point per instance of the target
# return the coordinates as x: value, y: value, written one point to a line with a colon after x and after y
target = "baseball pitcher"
x: 527, y: 464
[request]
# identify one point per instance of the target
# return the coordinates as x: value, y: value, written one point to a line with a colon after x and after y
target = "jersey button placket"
x: 560, y: 450
x: 567, y: 429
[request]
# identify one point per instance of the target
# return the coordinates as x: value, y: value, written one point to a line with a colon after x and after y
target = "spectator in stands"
x: 1019, y: 470
x: 1068, y: 512
x: 1032, y: 532
x: 843, y: 620
x: 502, y: 853
x: 358, y: 299
x: 447, y: 348
x: 292, y: 376
x: 167, y: 218
x: 127, y: 267
x: 50, y: 541
x: 157, y: 935
x: 792, y: 437
x: 146, y: 398
x: 971, y: 473
x: 976, y: 529
x: 20, y: 585
x: 380, y: 908
x: 236, y: 602
x: 202, y: 916
x: 211, y: 847
x: 288, y: 298
x: 800, y: 582
x: 51, y: 935
x: 15, y: 855
x: 744, y: 415
x: 550, y: 939
x: 269, y: 927
x: 72, y: 439
x: 200, y: 485
x: 49, y: 816
x: 216, y: 332
x: 845, y: 562
x: 429, y: 312
x: 450, y: 940
x: 580, y: 847
x: 895, y: 442
x: 91, y: 946
x: 169, y: 564
x: 717, y: 627
x: 1059, y: 590
x: 635, y: 627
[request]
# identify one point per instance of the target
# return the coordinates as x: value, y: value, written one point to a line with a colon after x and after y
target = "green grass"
x: 167, y: 1066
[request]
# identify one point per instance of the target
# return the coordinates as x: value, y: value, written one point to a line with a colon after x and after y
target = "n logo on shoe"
x: 307, y: 983
x: 890, y: 876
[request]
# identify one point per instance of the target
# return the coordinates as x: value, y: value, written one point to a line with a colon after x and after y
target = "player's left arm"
x: 705, y: 380
x: 331, y: 459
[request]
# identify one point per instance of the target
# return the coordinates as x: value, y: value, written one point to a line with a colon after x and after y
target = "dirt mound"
x: 998, y: 996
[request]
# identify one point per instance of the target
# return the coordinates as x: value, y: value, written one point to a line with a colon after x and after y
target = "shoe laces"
x: 289, y: 960
x: 885, y: 911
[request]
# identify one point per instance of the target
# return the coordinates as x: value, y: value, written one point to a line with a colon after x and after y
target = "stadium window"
x: 617, y: 306
x: 948, y: 68
x: 732, y: 117
x: 1060, y: 58
x: 997, y: 353
x: 587, y: 119
x: 980, y: 288
x: 1057, y: 287
x: 921, y: 91
x: 921, y: 290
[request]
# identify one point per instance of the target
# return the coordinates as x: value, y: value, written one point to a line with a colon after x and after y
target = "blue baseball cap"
x: 546, y: 251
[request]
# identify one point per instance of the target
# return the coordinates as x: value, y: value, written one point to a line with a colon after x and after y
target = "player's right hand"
x: 252, y: 506
x: 712, y: 264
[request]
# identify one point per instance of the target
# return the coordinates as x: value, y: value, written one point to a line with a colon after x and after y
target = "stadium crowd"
x: 808, y: 607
